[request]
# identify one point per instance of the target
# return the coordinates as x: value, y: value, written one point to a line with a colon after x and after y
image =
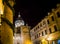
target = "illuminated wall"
x: 26, y: 35
x: 48, y: 30
x: 6, y: 32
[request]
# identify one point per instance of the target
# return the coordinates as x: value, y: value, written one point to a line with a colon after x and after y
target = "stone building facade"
x: 48, y: 30
x: 6, y: 21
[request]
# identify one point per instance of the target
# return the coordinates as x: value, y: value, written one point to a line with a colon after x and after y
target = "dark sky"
x: 33, y: 11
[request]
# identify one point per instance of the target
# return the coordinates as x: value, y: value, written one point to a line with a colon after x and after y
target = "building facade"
x: 25, y: 32
x: 48, y: 30
x: 6, y: 21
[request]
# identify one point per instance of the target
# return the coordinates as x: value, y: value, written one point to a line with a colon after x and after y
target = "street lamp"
x: 49, y: 38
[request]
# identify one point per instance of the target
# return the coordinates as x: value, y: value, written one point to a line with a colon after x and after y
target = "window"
x: 58, y: 14
x: 38, y: 26
x: 52, y: 18
x: 50, y: 30
x: 42, y: 33
x: 44, y: 22
x: 45, y: 31
x: 41, y: 25
x: 48, y: 21
x: 55, y: 28
x: 35, y: 36
x: 18, y: 30
x: 34, y: 29
x: 39, y: 34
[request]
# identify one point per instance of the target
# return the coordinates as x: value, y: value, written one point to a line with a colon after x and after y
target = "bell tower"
x: 17, y: 34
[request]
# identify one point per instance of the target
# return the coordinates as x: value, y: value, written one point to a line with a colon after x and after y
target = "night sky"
x: 32, y: 11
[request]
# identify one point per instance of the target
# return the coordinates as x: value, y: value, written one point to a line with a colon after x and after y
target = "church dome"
x: 19, y: 21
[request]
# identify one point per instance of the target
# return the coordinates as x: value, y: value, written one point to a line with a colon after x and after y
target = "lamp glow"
x: 50, y: 38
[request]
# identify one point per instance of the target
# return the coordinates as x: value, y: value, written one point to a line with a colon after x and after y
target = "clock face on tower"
x: 18, y: 23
